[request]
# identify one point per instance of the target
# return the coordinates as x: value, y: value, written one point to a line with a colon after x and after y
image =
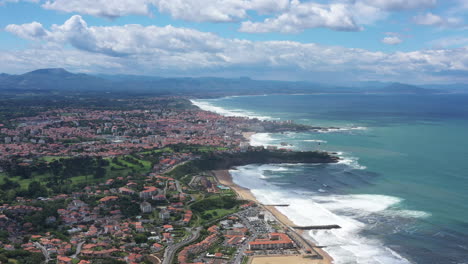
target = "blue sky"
x: 415, y: 41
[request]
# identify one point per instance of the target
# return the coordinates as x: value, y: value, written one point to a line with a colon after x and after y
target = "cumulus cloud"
x: 339, y: 15
x: 101, y: 8
x: 301, y: 16
x: 392, y: 40
x: 286, y: 16
x: 32, y: 30
x: 152, y: 50
x: 398, y: 4
x: 51, y: 56
x: 190, y: 10
x: 210, y: 10
x: 217, y: 10
x: 430, y: 19
x: 121, y: 40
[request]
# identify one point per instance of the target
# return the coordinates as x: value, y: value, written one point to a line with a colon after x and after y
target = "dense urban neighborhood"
x: 107, y: 185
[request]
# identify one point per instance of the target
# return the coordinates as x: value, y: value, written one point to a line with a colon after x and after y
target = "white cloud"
x: 121, y: 40
x: 450, y: 42
x: 32, y: 30
x: 212, y: 10
x: 340, y: 15
x: 171, y: 50
x: 392, y: 40
x: 101, y: 8
x: 430, y: 19
x: 301, y: 16
x: 286, y: 16
x: 50, y: 56
x: 190, y: 10
x: 463, y: 4
x: 398, y: 4
x: 217, y: 10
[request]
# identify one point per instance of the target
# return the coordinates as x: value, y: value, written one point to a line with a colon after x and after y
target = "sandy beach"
x: 248, y: 135
x: 225, y: 178
x: 287, y: 260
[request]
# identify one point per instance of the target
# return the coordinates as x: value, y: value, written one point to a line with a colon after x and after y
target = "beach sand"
x: 287, y: 260
x: 248, y: 135
x: 225, y: 178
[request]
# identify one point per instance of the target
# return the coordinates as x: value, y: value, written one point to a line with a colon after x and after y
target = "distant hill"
x: 401, y: 88
x: 60, y: 80
x: 451, y: 88
x: 52, y: 79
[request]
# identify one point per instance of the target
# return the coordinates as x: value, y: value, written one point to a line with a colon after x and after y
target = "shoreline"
x: 225, y: 178
x: 248, y: 135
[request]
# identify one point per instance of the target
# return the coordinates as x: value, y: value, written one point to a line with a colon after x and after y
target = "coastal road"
x: 245, y: 245
x: 170, y: 251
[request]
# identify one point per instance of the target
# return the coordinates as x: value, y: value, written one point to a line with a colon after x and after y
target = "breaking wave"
x: 345, y: 245
x: 207, y: 106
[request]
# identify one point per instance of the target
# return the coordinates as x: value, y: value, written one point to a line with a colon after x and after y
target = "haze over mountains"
x: 58, y: 79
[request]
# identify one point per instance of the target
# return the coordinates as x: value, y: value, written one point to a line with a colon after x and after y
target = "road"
x: 179, y: 189
x: 43, y: 250
x: 245, y: 246
x: 78, y: 250
x: 170, y: 251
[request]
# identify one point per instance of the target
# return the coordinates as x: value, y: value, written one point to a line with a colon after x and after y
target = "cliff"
x: 224, y: 161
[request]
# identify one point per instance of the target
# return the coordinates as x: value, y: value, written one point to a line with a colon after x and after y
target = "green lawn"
x: 120, y: 171
x: 52, y: 158
x: 129, y: 165
x: 168, y: 150
x: 24, y: 183
x: 220, y: 213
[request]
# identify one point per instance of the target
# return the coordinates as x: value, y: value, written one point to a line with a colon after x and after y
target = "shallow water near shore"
x: 400, y: 190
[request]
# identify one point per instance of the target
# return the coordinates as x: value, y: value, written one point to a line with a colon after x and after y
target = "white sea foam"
x: 407, y: 213
x: 207, y: 106
x: 345, y: 245
x: 342, y: 129
x: 267, y: 140
x: 315, y: 140
x: 261, y: 139
x: 352, y: 162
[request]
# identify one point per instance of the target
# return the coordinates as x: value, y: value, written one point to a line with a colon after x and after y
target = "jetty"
x: 280, y: 205
x: 317, y: 227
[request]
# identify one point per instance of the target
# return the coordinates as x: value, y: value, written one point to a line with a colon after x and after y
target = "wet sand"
x: 225, y: 178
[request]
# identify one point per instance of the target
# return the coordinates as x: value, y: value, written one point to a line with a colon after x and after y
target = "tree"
x: 141, y: 238
x: 36, y: 189
x: 9, y: 185
x: 100, y: 173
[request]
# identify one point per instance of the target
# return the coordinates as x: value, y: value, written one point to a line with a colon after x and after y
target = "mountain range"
x: 61, y: 80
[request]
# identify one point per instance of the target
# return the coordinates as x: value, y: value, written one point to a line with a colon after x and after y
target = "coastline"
x: 248, y: 135
x: 225, y: 178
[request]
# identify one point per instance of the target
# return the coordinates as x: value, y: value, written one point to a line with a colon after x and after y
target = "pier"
x: 317, y: 227
x: 280, y: 205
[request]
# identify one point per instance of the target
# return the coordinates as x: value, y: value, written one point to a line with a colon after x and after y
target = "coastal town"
x: 83, y: 185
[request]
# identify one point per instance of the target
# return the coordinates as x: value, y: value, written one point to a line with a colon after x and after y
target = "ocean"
x: 400, y: 191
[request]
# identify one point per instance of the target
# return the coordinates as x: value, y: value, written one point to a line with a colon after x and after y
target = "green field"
x: 124, y: 168
x: 220, y: 213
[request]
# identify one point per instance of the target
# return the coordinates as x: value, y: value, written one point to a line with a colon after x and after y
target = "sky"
x: 326, y: 41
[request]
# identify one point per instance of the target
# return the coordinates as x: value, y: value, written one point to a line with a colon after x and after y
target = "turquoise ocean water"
x: 401, y: 190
